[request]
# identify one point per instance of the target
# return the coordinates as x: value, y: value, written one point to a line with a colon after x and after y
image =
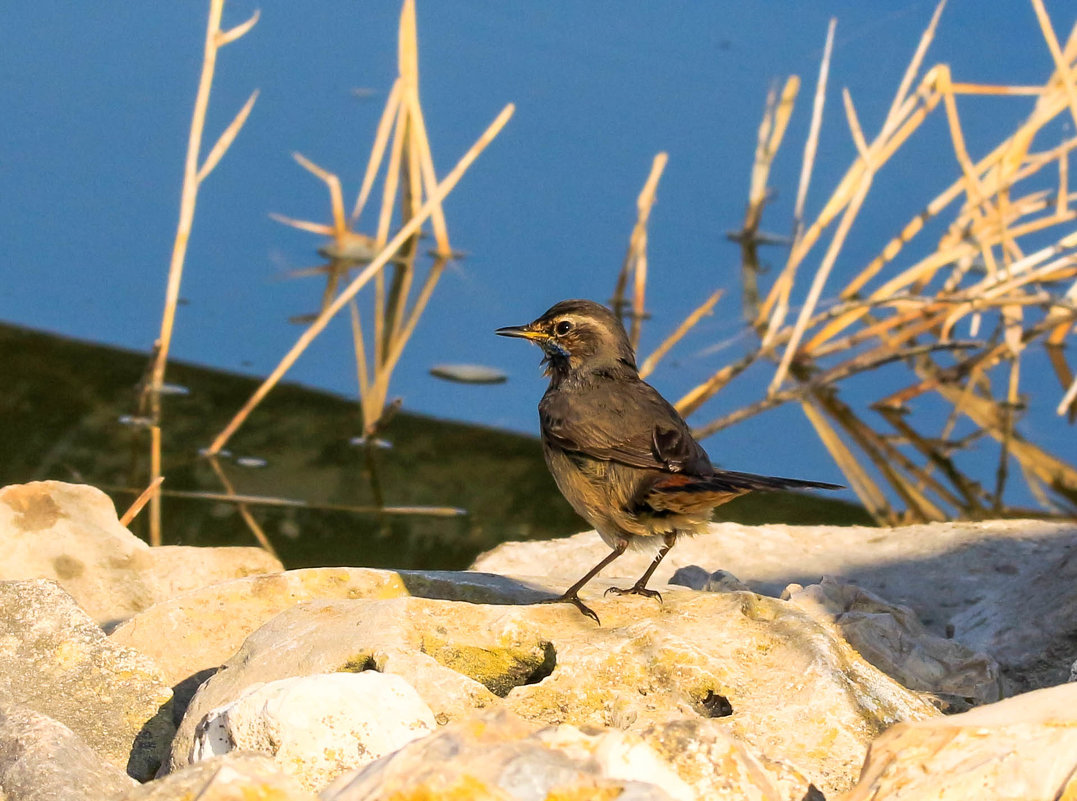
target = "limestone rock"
x: 177, y: 569
x: 233, y: 777
x: 719, y: 768
x: 314, y: 638
x: 1032, y: 633
x: 791, y: 690
x: 43, y: 760
x: 895, y: 641
x: 70, y: 533
x: 505, y: 758
x: 1022, y: 748
x: 191, y: 635
x: 697, y: 578
x: 317, y: 727
x: 58, y: 662
x: 1008, y: 588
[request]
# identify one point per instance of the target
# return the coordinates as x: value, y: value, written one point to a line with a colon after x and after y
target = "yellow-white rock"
x: 1022, y: 748
x: 316, y: 727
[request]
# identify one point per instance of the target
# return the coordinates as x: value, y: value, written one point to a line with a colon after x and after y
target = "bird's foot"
x: 635, y: 589
x: 574, y: 599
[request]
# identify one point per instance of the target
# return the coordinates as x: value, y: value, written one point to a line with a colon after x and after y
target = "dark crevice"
x: 544, y: 668
x: 714, y: 705
x: 358, y: 664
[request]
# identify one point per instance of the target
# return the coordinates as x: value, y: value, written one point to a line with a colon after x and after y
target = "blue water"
x: 97, y: 98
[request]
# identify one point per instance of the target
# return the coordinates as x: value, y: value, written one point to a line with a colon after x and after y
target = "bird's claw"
x: 576, y: 602
x: 635, y: 589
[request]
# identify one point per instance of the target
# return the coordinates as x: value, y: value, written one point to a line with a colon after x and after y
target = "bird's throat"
x: 556, y: 366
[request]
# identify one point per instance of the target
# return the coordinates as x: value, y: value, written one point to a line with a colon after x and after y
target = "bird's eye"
x: 563, y: 328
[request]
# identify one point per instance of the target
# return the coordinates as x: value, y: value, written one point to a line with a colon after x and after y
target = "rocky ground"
x: 783, y: 663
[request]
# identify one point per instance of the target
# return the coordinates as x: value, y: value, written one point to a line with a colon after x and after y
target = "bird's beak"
x: 521, y: 331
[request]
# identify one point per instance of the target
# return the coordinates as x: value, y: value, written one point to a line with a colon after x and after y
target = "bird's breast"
x: 606, y: 494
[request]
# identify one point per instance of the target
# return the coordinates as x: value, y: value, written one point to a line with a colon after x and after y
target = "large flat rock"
x: 199, y: 630
x: 193, y: 634
x: 787, y: 687
x: 1004, y: 587
x: 70, y: 533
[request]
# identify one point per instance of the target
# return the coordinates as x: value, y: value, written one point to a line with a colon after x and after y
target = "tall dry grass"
x: 411, y: 197
x: 990, y: 276
x: 195, y: 170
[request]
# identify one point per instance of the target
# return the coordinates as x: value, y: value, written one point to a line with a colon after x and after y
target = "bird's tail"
x: 750, y: 481
x: 681, y: 494
x: 728, y: 484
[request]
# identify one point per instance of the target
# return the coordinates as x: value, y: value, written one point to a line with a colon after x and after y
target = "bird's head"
x: 578, y: 336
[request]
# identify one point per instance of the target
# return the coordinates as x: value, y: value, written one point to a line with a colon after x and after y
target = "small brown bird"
x: 620, y: 453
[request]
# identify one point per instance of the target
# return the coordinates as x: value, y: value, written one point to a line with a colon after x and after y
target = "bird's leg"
x: 571, y: 595
x: 640, y: 587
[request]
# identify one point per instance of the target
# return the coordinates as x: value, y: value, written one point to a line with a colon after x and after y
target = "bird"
x: 620, y: 453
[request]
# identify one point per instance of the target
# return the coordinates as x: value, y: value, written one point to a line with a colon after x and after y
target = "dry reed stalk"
x: 408, y: 229
x: 860, y: 364
x: 429, y: 177
x: 690, y: 402
x: 998, y: 91
x: 903, y: 120
x: 819, y: 280
x: 1068, y: 400
x: 419, y: 142
x: 402, y: 146
x: 933, y: 208
x: 242, y: 507
x: 699, y: 395
x: 862, y: 484
x: 1066, y: 74
x: 361, y: 370
x: 141, y: 501
x: 404, y: 271
x: 419, y: 307
x: 686, y: 325
x: 377, y: 153
x: 779, y: 110
x: 994, y: 419
x: 155, y: 466
x: 393, y: 323
x: 385, y: 217
x: 811, y: 144
x: 635, y: 261
x: 400, y: 291
x: 921, y: 271
x: 293, y: 503
x: 936, y: 458
x: 193, y: 175
x: 1048, y: 468
x: 989, y: 268
x: 885, y: 458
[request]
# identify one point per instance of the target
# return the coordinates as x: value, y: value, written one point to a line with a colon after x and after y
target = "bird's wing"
x: 622, y: 422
